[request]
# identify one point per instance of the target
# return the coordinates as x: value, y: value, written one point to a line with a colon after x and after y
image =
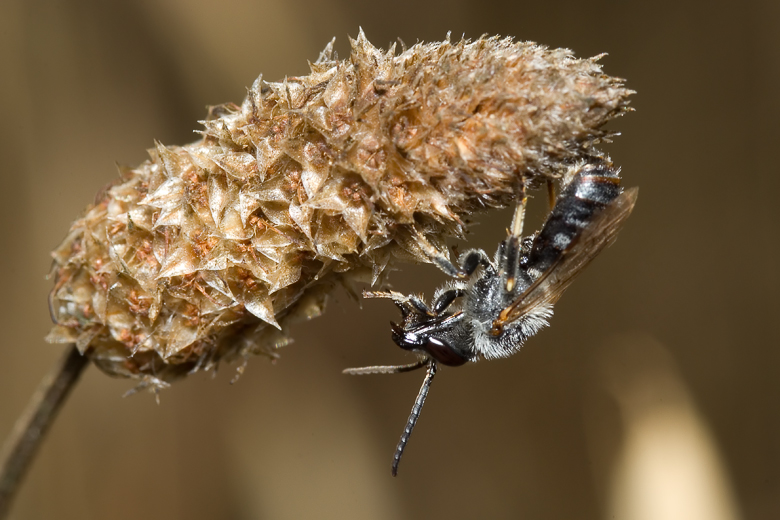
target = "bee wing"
x: 600, y: 233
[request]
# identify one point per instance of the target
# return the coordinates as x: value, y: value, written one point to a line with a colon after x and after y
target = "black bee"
x: 493, y: 307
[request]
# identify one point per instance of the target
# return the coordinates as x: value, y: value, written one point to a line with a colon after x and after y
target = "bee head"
x: 429, y: 339
x: 424, y: 329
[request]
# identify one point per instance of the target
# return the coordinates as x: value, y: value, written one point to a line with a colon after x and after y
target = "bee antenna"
x: 390, y: 295
x: 416, y: 409
x: 395, y: 369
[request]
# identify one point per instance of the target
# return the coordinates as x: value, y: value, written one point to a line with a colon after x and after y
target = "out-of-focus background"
x: 654, y: 395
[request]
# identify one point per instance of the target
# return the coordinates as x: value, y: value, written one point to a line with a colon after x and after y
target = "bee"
x: 491, y: 307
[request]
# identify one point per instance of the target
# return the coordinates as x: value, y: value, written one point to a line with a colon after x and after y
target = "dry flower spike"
x: 206, y: 252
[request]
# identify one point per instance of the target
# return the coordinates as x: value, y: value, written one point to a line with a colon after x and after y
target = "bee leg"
x: 551, y: 195
x: 509, y: 261
x: 469, y: 261
x: 416, y: 409
x: 436, y: 256
x: 519, y: 216
x: 418, y: 304
x: 445, y: 299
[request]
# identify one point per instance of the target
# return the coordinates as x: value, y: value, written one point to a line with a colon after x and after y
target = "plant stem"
x: 32, y: 425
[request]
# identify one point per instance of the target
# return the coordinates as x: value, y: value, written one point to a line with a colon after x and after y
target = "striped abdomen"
x: 590, y: 191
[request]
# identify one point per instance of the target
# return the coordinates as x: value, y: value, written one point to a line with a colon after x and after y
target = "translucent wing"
x: 600, y: 233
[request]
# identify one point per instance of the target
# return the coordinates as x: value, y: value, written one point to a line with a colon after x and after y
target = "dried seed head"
x: 206, y: 252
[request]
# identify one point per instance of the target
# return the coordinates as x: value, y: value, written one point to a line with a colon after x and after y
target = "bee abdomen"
x: 592, y: 189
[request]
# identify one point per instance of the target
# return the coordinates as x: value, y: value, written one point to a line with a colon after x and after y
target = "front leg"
x: 469, y: 261
x: 443, y: 300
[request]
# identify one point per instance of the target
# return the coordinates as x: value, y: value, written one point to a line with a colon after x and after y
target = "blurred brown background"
x: 653, y: 395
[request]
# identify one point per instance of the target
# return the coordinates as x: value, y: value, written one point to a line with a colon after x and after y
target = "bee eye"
x: 442, y: 352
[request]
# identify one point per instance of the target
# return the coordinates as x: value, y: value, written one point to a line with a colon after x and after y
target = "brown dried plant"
x: 206, y: 252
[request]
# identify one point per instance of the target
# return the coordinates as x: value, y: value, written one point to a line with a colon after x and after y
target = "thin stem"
x: 31, y: 427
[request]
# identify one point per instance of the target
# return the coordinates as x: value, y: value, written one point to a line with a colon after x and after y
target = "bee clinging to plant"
x: 207, y: 253
x: 492, y: 307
